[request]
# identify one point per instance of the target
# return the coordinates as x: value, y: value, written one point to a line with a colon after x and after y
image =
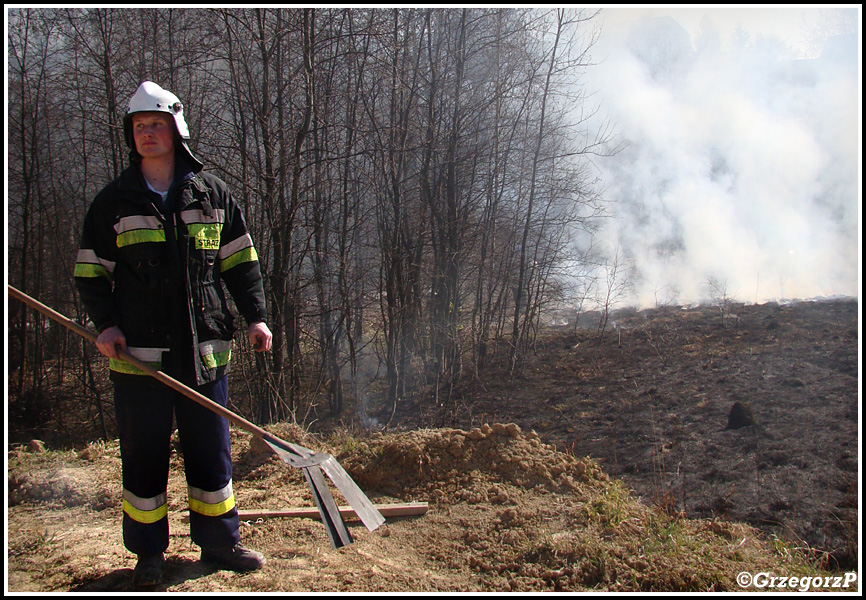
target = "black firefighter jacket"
x: 159, y: 277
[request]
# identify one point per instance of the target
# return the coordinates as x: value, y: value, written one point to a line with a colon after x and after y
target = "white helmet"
x: 150, y: 97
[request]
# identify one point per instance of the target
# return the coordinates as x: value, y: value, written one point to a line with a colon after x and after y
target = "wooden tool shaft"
x: 408, y: 509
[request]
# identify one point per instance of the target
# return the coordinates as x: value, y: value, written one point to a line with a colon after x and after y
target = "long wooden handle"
x: 406, y: 509
x: 126, y: 356
x: 53, y: 314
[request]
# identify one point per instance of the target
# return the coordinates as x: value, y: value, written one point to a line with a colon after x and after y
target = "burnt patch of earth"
x: 651, y: 400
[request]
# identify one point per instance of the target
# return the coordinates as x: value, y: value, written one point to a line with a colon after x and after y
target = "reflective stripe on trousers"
x: 144, y: 421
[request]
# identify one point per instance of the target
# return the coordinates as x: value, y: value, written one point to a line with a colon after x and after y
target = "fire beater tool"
x: 312, y: 463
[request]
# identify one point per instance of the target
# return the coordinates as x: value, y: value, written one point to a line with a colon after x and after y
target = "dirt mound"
x: 453, y: 465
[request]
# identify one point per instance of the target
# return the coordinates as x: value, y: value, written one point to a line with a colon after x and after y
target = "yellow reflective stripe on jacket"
x: 138, y: 229
x: 245, y: 255
x: 90, y: 270
x: 145, y: 510
x: 236, y: 252
x: 151, y: 356
x: 211, y: 504
x: 215, y: 353
x: 88, y: 264
x: 140, y: 236
x: 216, y: 360
x: 121, y: 366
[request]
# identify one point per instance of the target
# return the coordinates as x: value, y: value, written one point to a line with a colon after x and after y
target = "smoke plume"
x: 740, y: 173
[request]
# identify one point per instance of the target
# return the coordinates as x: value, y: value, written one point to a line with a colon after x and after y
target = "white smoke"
x: 742, y: 164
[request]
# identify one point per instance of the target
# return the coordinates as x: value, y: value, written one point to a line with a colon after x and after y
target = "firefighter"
x: 158, y: 244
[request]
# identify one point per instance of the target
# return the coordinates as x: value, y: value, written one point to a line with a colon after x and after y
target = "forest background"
x: 413, y: 180
x: 421, y: 185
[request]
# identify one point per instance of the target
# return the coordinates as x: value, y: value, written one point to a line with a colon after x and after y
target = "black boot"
x: 148, y: 569
x: 235, y: 558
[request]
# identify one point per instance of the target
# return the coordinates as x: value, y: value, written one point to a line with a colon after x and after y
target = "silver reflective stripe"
x: 198, y: 216
x: 211, y: 504
x: 214, y: 347
x: 136, y: 222
x: 151, y: 355
x: 86, y: 256
x: 145, y: 504
x: 245, y: 241
x: 210, y: 497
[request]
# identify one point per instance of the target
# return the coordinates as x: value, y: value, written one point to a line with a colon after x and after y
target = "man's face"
x: 153, y: 133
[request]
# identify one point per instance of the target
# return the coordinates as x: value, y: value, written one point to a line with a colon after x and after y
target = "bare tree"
x: 411, y: 176
x: 720, y: 297
x: 525, y: 266
x: 617, y: 283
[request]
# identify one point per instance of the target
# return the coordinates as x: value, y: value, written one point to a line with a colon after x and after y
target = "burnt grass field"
x: 652, y: 397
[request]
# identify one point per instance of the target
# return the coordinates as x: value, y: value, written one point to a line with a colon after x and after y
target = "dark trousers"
x: 144, y: 421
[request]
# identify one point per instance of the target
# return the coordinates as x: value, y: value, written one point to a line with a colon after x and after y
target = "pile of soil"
x: 452, y: 465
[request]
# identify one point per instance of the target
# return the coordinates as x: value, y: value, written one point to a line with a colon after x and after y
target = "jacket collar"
x: 131, y: 178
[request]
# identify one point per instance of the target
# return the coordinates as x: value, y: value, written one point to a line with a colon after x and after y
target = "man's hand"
x: 110, y: 340
x: 260, y: 336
